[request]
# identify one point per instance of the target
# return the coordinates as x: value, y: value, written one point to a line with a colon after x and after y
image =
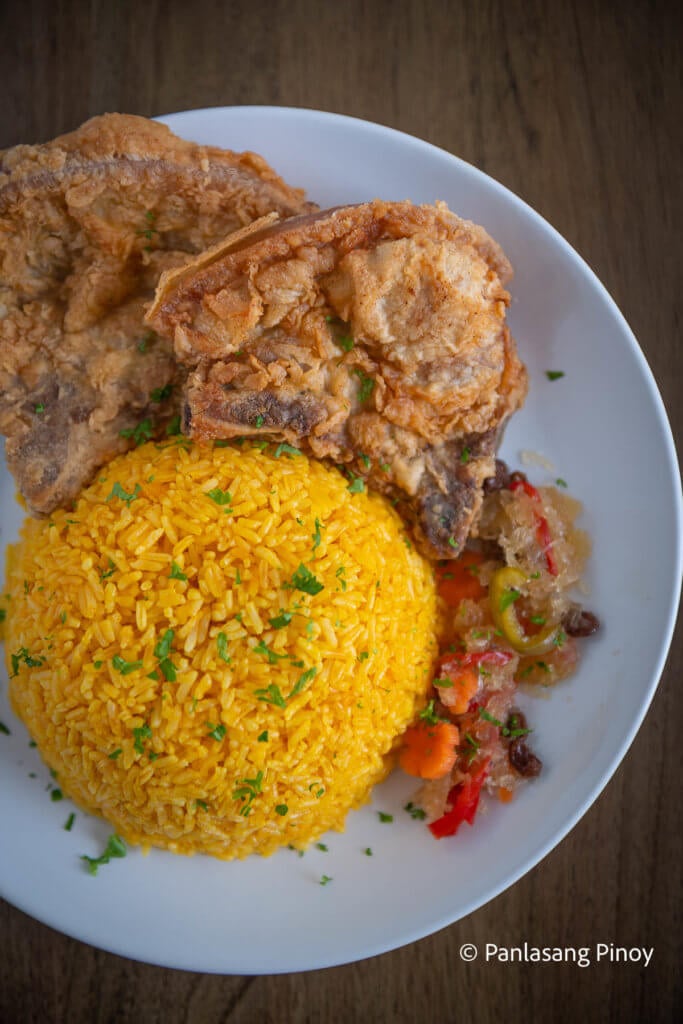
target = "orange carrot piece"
x: 459, y: 579
x: 465, y: 683
x: 505, y: 795
x: 429, y: 750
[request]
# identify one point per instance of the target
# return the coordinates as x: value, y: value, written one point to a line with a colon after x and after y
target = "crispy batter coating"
x: 87, y: 224
x: 371, y: 335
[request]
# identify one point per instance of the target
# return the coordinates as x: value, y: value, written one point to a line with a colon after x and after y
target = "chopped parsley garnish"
x: 219, y: 497
x: 271, y: 695
x: 173, y: 426
x: 415, y: 812
x: 559, y: 639
x: 222, y: 645
x: 554, y: 374
x: 162, y: 650
x: 365, y: 459
x: 363, y: 656
x: 367, y: 385
x: 125, y: 667
x: 444, y: 682
x: 357, y: 485
x: 538, y: 620
x: 560, y: 482
x: 513, y: 730
x: 429, y: 715
x: 317, y: 537
x: 56, y: 795
x: 69, y: 823
x: 303, y: 679
x: 465, y: 455
x: 202, y: 804
x: 117, y: 491
x: 145, y: 341
x: 385, y: 467
x: 367, y: 851
x: 217, y: 732
x: 115, y: 848
x: 339, y: 574
x: 322, y: 847
x: 259, y: 421
x: 488, y: 717
x: 143, y: 732
x: 246, y: 790
x: 110, y: 571
x: 471, y: 748
x: 325, y: 879
x: 281, y: 620
x: 508, y: 598
x: 543, y: 665
x: 288, y: 448
x: 39, y: 409
x: 4, y: 730
x: 98, y: 664
x: 3, y: 614
x: 345, y: 342
x: 30, y: 662
x: 272, y: 656
x: 176, y: 572
x: 262, y: 737
x: 160, y: 394
x: 141, y: 433
x: 453, y: 542
x: 281, y: 809
x: 386, y: 818
x: 22, y: 655
x: 305, y: 581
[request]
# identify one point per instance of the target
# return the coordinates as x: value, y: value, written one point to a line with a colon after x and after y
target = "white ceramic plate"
x: 604, y: 428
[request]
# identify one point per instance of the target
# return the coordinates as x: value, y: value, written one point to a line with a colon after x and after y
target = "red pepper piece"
x: 464, y: 799
x: 543, y: 535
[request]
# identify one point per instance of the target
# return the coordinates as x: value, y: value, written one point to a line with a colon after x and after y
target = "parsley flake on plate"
x: 115, y: 848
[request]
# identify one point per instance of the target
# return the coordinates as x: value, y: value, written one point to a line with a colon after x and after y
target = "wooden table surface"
x: 577, y: 108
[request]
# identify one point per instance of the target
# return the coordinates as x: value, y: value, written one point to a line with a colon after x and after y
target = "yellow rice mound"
x: 145, y: 665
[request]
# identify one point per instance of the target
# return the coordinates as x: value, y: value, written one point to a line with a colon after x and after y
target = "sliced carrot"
x: 459, y: 579
x: 429, y: 751
x: 505, y: 795
x: 464, y: 683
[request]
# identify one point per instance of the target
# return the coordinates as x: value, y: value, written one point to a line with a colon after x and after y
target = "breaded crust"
x: 371, y: 335
x: 87, y: 224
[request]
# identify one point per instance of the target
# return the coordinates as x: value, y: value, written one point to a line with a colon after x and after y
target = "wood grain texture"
x: 577, y: 108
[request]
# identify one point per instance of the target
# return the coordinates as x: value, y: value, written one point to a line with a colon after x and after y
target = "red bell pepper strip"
x: 464, y: 799
x: 543, y: 534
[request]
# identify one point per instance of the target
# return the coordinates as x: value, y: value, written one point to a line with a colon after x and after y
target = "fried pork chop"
x: 87, y: 224
x: 371, y: 335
